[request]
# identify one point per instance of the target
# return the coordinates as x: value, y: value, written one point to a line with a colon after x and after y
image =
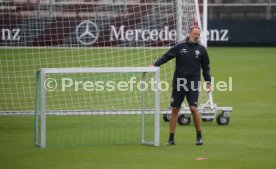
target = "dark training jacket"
x: 190, y: 57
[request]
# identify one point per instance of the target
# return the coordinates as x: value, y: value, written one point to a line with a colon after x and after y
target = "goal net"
x: 85, y: 33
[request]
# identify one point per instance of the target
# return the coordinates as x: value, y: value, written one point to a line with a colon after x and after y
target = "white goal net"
x: 85, y: 33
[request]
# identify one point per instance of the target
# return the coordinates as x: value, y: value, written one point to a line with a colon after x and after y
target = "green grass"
x: 249, y: 142
x: 97, y: 130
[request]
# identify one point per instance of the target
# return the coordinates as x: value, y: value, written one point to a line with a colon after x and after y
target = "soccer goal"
x: 97, y: 106
x: 82, y: 34
x: 95, y: 33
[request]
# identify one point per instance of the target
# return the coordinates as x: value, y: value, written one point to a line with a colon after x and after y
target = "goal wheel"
x: 166, y: 117
x: 222, y: 119
x: 184, y: 119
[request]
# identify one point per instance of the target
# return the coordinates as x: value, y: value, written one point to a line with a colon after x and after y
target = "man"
x: 190, y: 57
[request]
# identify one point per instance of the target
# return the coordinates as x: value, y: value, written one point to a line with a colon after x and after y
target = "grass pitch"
x: 247, y: 143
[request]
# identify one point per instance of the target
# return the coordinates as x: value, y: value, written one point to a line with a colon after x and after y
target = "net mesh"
x: 95, y: 33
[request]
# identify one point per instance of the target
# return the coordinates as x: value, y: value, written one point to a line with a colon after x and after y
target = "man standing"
x: 190, y: 57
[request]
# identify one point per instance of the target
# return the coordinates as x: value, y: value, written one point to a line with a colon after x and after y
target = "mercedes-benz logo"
x: 87, y: 32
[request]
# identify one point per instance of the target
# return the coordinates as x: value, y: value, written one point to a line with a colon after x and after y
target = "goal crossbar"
x: 101, y: 70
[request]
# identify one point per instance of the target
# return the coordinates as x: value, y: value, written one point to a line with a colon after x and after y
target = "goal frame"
x: 41, y: 141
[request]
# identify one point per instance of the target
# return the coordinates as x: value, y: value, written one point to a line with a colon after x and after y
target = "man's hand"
x: 151, y: 65
x: 208, y: 87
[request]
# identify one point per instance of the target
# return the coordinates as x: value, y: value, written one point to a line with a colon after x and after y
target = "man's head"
x: 194, y: 34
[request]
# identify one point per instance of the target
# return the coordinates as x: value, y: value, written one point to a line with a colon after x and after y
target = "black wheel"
x: 207, y: 120
x: 166, y: 117
x: 222, y: 120
x: 184, y: 119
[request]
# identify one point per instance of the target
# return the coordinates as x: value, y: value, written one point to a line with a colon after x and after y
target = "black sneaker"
x: 199, y: 141
x: 170, y: 143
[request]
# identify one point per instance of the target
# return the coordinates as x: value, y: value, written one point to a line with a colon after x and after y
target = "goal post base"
x: 151, y: 143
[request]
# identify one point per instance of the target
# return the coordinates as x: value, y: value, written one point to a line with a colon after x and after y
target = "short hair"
x: 194, y: 27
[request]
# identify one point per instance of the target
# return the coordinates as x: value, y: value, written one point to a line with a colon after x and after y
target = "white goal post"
x: 41, y: 102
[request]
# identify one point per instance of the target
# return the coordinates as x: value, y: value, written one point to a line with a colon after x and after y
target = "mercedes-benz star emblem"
x: 87, y: 32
